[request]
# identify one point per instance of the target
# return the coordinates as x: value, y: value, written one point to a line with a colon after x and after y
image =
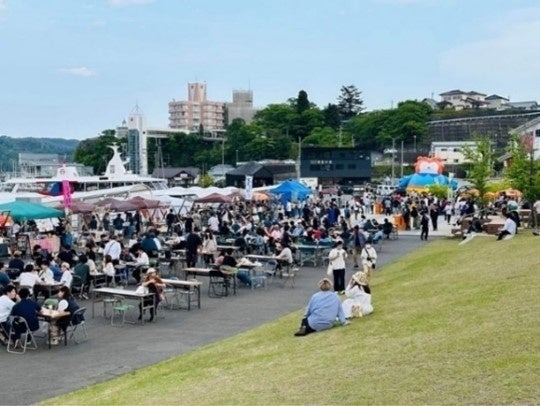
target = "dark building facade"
x: 336, y: 165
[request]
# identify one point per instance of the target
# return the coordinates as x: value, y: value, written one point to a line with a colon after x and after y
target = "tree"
x: 523, y: 171
x: 206, y: 180
x: 95, y: 152
x: 331, y: 115
x: 302, y: 102
x: 349, y: 102
x: 480, y: 158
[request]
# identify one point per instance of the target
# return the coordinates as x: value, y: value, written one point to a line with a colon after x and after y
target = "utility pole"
x: 236, y: 157
x: 299, y: 156
x: 401, y: 159
x: 393, y: 159
x: 223, y: 151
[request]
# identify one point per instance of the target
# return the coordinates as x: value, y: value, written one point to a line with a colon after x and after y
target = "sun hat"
x: 360, y: 278
x: 151, y: 270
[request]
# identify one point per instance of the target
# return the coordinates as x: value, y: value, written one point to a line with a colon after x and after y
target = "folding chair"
x: 77, y: 323
x: 120, y: 308
x: 218, y: 285
x: 270, y: 269
x: 290, y: 275
x: 18, y: 325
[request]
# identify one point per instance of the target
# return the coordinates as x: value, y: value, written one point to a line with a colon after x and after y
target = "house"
x: 496, y: 102
x: 524, y: 105
x: 464, y: 100
x: 178, y: 176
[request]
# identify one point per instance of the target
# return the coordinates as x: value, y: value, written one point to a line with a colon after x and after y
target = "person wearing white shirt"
x: 509, y: 227
x: 29, y: 278
x: 46, y: 274
x: 369, y: 259
x: 114, y: 249
x: 285, y: 254
x: 213, y: 223
x: 337, y: 257
x: 66, y: 278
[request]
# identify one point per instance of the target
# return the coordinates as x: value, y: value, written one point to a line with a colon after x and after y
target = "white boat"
x: 115, y: 182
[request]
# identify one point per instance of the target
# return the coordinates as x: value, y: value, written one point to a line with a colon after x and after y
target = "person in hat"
x: 323, y: 309
x: 336, y: 258
x: 369, y: 259
x: 358, y: 302
x: 155, y: 285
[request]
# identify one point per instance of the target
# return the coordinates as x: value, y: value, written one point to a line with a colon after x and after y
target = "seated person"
x: 322, y: 310
x: 509, y: 227
x: 149, y: 245
x: 283, y: 255
x: 229, y: 261
x: 82, y: 270
x: 358, y: 302
x: 66, y: 307
x: 27, y: 309
x: 387, y: 228
x: 142, y: 261
x: 16, y: 262
x: 5, y: 280
x: 155, y: 285
x: 377, y: 235
x: 475, y: 226
x: 7, y: 301
x: 67, y: 277
x: 29, y: 278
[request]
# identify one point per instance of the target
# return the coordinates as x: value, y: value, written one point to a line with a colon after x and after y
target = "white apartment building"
x: 451, y: 152
x: 530, y: 136
x: 189, y: 115
x: 463, y: 100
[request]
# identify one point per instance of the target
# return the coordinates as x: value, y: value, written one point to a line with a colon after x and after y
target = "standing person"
x: 434, y: 214
x: 369, y: 259
x: 448, y: 209
x: 170, y: 221
x: 155, y: 285
x: 358, y: 241
x: 337, y: 257
x: 424, y: 226
x: 193, y: 246
x: 323, y: 309
x: 114, y: 249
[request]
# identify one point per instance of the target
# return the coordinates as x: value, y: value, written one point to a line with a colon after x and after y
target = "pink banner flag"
x: 66, y: 192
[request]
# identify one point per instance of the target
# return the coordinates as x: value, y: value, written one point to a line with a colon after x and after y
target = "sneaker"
x: 301, y: 332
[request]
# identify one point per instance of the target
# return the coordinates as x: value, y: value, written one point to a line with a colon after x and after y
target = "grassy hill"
x: 452, y: 324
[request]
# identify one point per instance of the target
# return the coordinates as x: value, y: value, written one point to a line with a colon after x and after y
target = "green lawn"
x: 452, y: 324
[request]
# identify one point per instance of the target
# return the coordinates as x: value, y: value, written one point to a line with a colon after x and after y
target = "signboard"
x: 249, y: 187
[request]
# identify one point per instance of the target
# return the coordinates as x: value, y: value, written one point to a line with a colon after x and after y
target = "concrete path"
x: 113, y: 351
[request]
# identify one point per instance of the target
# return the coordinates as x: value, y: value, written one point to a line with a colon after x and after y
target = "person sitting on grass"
x: 323, y: 309
x: 509, y: 227
x: 358, y: 302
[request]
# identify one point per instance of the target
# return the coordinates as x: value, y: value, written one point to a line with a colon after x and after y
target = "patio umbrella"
x: 20, y: 210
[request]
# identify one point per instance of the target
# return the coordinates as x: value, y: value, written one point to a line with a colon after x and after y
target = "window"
x: 351, y: 166
x: 314, y: 167
x: 456, y: 161
x: 537, y: 133
x: 339, y: 167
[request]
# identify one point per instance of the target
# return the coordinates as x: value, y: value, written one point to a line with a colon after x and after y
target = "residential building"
x: 464, y: 100
x: 178, y: 176
x: 241, y: 106
x: 524, y: 105
x: 451, y: 152
x: 496, y: 102
x: 197, y: 111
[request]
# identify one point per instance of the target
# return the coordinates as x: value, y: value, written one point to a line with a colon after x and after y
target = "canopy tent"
x: 180, y: 206
x: 142, y: 203
x: 116, y: 205
x: 20, y: 210
x: 79, y: 207
x: 291, y: 190
x: 214, y: 198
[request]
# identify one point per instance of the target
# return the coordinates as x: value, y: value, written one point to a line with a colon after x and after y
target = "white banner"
x: 249, y: 187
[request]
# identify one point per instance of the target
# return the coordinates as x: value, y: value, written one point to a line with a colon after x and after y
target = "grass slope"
x: 452, y: 324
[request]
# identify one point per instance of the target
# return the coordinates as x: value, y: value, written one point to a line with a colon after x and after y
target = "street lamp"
x: 393, y: 159
x: 299, y: 156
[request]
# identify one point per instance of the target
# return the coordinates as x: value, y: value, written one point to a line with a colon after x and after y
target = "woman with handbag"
x: 155, y: 285
x: 336, y: 266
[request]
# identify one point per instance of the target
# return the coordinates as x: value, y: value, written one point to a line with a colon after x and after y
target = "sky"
x: 73, y: 68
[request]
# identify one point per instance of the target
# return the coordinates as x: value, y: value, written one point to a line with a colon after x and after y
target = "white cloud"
x: 510, y: 53
x: 82, y: 71
x: 124, y: 3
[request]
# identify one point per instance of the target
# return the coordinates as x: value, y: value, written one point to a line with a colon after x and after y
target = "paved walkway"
x: 113, y: 351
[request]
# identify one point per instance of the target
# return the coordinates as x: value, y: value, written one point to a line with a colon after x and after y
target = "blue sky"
x: 72, y: 68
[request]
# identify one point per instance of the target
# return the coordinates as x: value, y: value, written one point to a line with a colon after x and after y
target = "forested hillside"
x: 11, y: 147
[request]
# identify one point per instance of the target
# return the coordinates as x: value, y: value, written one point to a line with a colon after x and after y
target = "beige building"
x: 241, y: 106
x: 463, y: 100
x: 189, y: 115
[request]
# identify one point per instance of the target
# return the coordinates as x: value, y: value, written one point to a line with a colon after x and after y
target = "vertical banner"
x: 249, y: 187
x: 66, y: 192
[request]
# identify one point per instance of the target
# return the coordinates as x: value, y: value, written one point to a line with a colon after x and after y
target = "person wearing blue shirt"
x: 323, y: 309
x: 28, y: 309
